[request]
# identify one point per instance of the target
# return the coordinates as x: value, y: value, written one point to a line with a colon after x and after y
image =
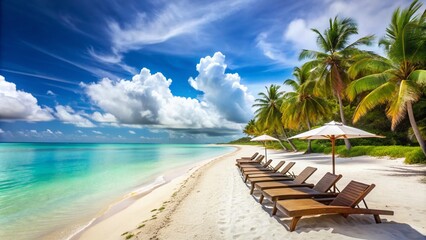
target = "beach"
x: 212, y: 202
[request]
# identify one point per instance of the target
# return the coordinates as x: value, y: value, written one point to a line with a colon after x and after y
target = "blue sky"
x: 154, y: 71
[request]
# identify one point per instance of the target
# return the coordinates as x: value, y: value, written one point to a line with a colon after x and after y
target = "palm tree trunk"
x: 309, y: 149
x: 288, y: 140
x: 415, y: 128
x: 279, y: 140
x: 342, y: 117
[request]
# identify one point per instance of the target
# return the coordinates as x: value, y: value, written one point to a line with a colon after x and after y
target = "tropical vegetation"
x: 302, y: 106
x: 340, y: 81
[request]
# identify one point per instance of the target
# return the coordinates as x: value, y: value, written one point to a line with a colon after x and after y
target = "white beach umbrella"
x: 264, y: 138
x: 335, y: 130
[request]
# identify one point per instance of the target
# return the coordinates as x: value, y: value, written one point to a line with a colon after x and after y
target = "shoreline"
x: 170, y: 179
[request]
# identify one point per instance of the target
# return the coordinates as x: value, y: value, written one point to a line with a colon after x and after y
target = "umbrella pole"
x: 333, y: 149
x: 266, y: 154
x: 333, y: 143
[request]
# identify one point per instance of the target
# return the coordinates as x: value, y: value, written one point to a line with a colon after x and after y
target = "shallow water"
x: 49, y: 186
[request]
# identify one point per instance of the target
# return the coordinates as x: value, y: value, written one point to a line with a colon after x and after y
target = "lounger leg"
x: 377, y: 218
x: 294, y: 223
x: 252, y: 188
x: 274, y: 209
x: 261, y: 198
x: 245, y: 179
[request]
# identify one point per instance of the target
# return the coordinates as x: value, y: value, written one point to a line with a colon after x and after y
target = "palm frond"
x: 364, y: 84
x: 407, y: 92
x: 376, y: 97
x: 367, y: 40
x: 369, y: 65
x: 418, y: 76
x: 311, y: 54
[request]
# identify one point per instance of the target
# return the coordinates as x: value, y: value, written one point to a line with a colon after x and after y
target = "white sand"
x: 214, y: 203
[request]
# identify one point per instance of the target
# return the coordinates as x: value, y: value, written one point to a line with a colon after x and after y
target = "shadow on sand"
x: 354, y: 226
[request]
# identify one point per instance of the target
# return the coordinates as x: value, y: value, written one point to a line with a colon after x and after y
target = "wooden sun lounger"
x: 248, y: 158
x: 320, y: 190
x: 344, y: 204
x: 257, y: 161
x: 260, y: 166
x: 247, y: 172
x: 268, y: 168
x: 283, y: 172
x: 299, y: 181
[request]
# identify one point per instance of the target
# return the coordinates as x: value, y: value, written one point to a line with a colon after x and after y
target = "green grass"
x: 412, y: 155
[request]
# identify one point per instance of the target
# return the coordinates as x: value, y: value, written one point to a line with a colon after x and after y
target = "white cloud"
x: 172, y: 20
x: 79, y: 131
x: 58, y: 132
x: 49, y: 131
x: 67, y: 115
x: 372, y: 17
x: 132, y: 132
x: 49, y: 92
x: 33, y: 131
x: 96, y: 71
x: 20, y: 105
x: 97, y: 132
x: 147, y: 99
x: 112, y: 58
x: 300, y: 35
x: 223, y: 90
x: 274, y: 50
x: 103, y: 118
x: 1, y: 130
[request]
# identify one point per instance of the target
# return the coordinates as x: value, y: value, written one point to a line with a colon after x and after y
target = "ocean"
x: 48, y: 188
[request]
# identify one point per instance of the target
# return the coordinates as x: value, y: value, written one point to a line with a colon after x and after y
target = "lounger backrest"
x: 288, y: 167
x: 326, y: 182
x: 254, y: 156
x: 305, y: 174
x: 259, y: 158
x: 352, y: 194
x: 267, y: 163
x: 279, y: 165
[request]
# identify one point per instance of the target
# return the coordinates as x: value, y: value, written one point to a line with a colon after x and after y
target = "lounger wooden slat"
x: 257, y: 161
x: 282, y: 181
x: 283, y: 172
x: 247, y: 172
x: 343, y: 204
x: 248, y: 158
x: 244, y: 168
x: 320, y: 190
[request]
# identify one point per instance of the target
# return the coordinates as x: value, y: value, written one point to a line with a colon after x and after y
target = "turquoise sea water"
x: 49, y: 186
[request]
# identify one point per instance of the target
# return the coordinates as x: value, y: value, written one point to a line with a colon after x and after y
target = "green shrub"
x: 415, y: 156
x: 411, y: 154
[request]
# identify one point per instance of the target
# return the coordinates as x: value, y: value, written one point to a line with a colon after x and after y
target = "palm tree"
x: 399, y: 78
x: 268, y: 112
x: 331, y: 63
x: 252, y: 129
x: 302, y: 105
